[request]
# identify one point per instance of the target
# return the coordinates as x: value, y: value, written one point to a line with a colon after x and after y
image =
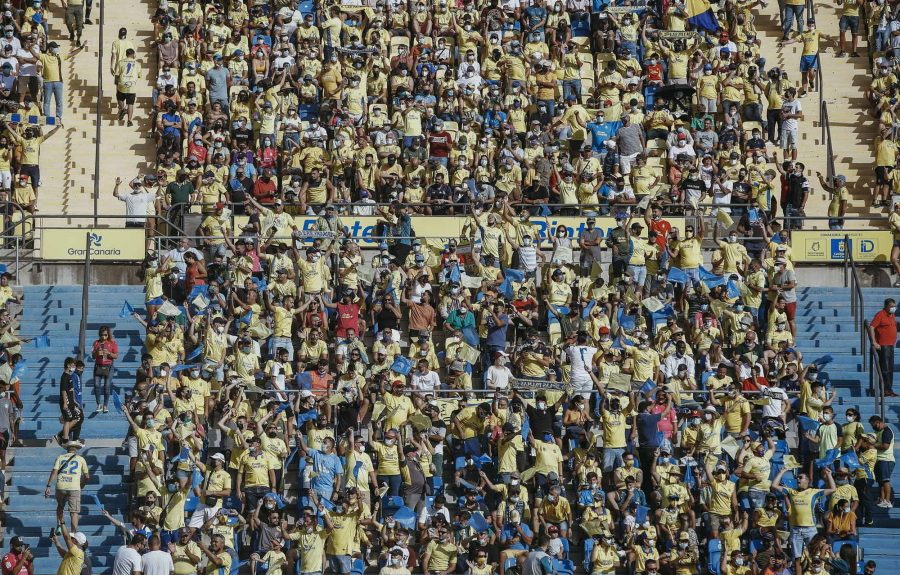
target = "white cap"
x: 80, y: 538
x: 306, y: 393
x: 218, y: 456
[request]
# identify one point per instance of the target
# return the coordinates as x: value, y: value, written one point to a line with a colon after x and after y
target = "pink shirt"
x: 667, y: 425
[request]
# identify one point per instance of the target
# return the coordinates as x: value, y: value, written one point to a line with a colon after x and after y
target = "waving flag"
x: 700, y: 15
x: 677, y: 276
x: 127, y: 310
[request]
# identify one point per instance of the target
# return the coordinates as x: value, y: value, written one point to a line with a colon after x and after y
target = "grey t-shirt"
x: 630, y: 140
x: 787, y: 276
x: 217, y: 82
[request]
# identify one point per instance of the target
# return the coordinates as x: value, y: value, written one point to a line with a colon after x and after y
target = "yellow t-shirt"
x: 442, y: 555
x: 180, y: 558
x: 255, y: 469
x: 51, y: 66
x: 388, y: 462
x: 720, y: 496
x: 547, y: 456
x: 128, y: 72
x: 69, y: 471
x: 801, y: 511
x: 311, y: 546
x: 72, y: 562
x: 343, y: 535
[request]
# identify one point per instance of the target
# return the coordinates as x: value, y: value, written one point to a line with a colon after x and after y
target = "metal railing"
x: 869, y: 354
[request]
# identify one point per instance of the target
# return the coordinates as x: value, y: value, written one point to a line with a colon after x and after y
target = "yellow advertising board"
x: 363, y: 228
x: 107, y: 244
x: 823, y: 246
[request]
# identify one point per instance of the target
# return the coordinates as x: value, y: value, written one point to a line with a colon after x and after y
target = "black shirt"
x: 541, y: 420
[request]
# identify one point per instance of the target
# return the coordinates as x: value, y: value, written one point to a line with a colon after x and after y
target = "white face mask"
x: 892, y: 309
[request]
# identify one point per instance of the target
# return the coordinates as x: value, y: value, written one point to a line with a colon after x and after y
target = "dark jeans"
x: 864, y: 511
x: 886, y: 363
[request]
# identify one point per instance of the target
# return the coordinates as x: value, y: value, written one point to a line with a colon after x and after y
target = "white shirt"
x: 792, y: 107
x: 425, y: 382
x: 137, y: 204
x: 158, y: 563
x: 127, y: 561
x: 498, y: 377
x: 671, y: 363
x: 777, y: 397
x: 580, y: 360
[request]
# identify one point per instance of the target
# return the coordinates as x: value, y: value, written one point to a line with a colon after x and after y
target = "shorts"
x: 33, y: 172
x: 808, y: 63
x: 639, y: 273
x: 70, y: 415
x: 709, y: 105
x: 800, y: 538
x: 850, y: 23
x: 790, y: 310
x: 788, y: 139
x: 897, y: 243
x: 883, y: 175
x: 714, y: 521
x: 72, y: 499
x: 339, y: 563
x: 127, y: 98
x: 883, y: 471
x: 155, y: 301
x: 132, y: 444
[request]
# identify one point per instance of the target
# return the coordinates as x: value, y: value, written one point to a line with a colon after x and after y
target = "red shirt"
x: 264, y: 192
x: 348, y: 318
x: 662, y: 228
x: 885, y: 327
x: 439, y: 144
x: 110, y: 346
x: 9, y: 561
x: 668, y: 424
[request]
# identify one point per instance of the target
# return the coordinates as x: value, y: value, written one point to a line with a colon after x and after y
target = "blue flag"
x: 281, y: 407
x: 405, y: 517
x: 42, y: 341
x: 851, y: 461
x: 477, y: 521
x: 184, y: 366
x: 117, y: 402
x: 19, y: 370
x: 402, y: 365
x: 677, y: 276
x: 127, y: 310
x: 506, y: 289
x: 807, y: 424
x: 545, y: 210
x: 733, y: 291
x: 640, y: 514
x: 195, y: 353
x: 710, y: 279
x: 247, y: 317
x: 830, y: 457
x: 648, y: 386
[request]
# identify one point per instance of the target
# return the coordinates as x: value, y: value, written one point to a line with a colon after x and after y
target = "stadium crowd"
x: 598, y: 395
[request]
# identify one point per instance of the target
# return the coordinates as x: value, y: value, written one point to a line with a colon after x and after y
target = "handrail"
x: 85, y: 297
x: 867, y: 350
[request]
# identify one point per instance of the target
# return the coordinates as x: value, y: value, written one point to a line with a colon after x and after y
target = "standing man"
x: 50, y: 68
x: 128, y: 557
x: 70, y: 471
x: 69, y: 408
x: 118, y: 50
x: 884, y: 460
x: 74, y: 19
x: 589, y: 240
x: 883, y: 331
x: 801, y: 514
x: 128, y: 72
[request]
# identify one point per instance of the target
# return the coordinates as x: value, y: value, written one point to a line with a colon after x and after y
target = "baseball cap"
x: 218, y: 456
x: 80, y: 538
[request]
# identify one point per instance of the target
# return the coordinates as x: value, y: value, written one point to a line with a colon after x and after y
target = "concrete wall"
x: 73, y: 274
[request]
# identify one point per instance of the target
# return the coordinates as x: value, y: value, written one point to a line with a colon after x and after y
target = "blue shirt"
x: 327, y: 467
x: 509, y: 531
x: 77, y: 387
x: 496, y: 336
x: 648, y: 429
x: 600, y: 132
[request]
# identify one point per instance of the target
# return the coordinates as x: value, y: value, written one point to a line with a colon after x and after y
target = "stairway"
x: 56, y: 311
x: 852, y: 129
x: 125, y: 152
x: 824, y: 326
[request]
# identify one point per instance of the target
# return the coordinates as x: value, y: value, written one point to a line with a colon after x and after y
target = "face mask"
x: 826, y: 417
x: 892, y: 309
x: 739, y: 562
x: 542, y: 405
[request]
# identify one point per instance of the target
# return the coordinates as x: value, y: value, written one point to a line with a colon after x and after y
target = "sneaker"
x: 897, y: 283
x: 121, y: 115
x: 88, y: 21
x: 884, y: 504
x: 841, y: 54
x: 869, y: 523
x: 130, y: 123
x: 99, y: 409
x: 105, y: 409
x: 854, y: 55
